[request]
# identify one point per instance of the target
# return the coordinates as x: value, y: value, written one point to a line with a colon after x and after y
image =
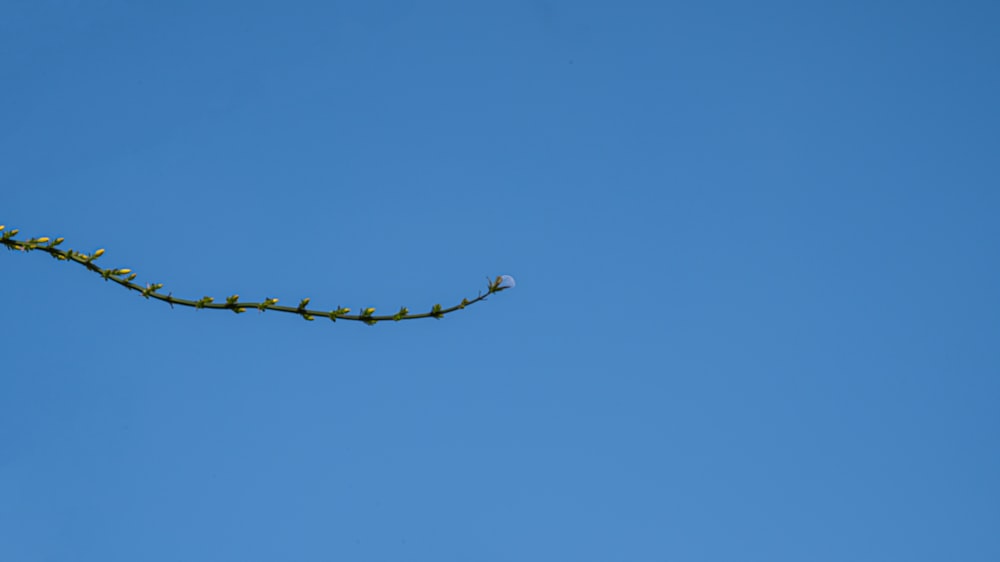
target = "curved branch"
x: 124, y: 277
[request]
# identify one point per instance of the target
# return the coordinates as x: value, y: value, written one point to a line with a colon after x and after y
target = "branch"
x: 124, y: 277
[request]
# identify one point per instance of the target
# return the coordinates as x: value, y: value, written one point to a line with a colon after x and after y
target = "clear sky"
x: 755, y: 244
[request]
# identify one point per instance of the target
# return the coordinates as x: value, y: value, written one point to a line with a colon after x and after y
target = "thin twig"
x: 124, y: 277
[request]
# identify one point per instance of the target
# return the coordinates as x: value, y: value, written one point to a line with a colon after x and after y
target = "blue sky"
x: 755, y: 244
